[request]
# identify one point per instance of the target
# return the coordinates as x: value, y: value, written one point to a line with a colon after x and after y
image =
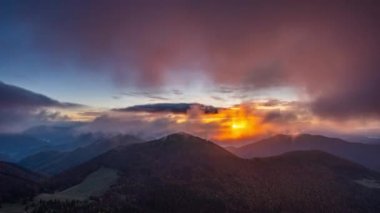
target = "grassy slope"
x: 94, y: 184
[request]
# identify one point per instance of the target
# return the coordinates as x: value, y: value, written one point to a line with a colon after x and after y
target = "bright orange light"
x: 238, y: 125
x: 234, y: 123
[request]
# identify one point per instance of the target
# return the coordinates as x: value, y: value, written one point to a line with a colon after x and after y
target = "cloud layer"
x: 327, y: 50
x: 245, y: 122
x: 240, y: 123
x: 21, y: 108
x: 180, y: 108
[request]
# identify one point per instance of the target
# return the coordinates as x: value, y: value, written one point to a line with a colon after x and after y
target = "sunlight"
x: 238, y: 125
x: 235, y: 123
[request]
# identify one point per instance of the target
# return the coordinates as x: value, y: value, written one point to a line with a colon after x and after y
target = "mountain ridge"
x: 54, y: 162
x: 186, y: 173
x: 364, y: 154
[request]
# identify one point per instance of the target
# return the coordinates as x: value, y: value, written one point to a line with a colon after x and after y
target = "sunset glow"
x: 235, y: 123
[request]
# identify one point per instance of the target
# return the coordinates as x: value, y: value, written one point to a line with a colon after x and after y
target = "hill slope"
x: 17, y: 146
x: 54, y: 162
x: 95, y: 184
x: 364, y: 154
x: 182, y: 173
x: 17, y: 183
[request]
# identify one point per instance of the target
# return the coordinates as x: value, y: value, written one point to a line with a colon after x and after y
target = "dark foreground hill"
x: 364, y: 154
x: 54, y: 162
x: 182, y: 173
x: 17, y: 183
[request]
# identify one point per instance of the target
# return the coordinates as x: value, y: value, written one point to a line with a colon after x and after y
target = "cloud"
x: 180, y: 108
x: 326, y: 50
x: 149, y: 94
x: 159, y: 98
x: 152, y: 125
x: 21, y: 108
x: 357, y: 99
x: 177, y: 92
x: 143, y: 126
x: 116, y: 97
x: 217, y: 98
x: 239, y: 123
x: 242, y: 123
x: 16, y: 97
x: 280, y: 117
x: 19, y: 119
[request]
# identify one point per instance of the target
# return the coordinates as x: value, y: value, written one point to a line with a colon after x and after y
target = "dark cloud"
x: 177, y: 92
x: 217, y: 98
x: 358, y: 99
x: 159, y: 98
x: 16, y: 97
x: 20, y: 108
x: 116, y: 97
x: 273, y: 103
x: 280, y: 117
x: 181, y: 108
x: 91, y: 113
x: 148, y: 94
x: 225, y: 90
x: 325, y: 49
x: 19, y: 119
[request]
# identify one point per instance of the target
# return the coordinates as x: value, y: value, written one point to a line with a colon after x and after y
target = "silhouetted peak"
x: 184, y: 140
x: 183, y: 136
x: 182, y: 145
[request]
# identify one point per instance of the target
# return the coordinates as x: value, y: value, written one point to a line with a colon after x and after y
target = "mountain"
x: 52, y: 134
x: 17, y: 183
x: 364, y: 154
x: 54, y: 162
x: 18, y: 146
x: 183, y: 173
x: 63, y: 137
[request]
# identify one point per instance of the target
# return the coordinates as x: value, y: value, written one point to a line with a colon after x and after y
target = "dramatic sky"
x: 256, y: 67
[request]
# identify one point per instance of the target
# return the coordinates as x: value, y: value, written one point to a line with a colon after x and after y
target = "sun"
x: 239, y: 128
x: 233, y: 124
x: 236, y: 125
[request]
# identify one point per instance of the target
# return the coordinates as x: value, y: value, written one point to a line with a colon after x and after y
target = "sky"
x: 268, y: 66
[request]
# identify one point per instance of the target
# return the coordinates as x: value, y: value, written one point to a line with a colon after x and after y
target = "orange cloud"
x: 237, y: 124
x: 234, y: 124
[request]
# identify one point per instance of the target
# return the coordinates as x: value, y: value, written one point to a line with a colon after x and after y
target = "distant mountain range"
x: 183, y: 173
x: 16, y: 146
x: 54, y: 162
x: 54, y: 135
x: 364, y: 154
